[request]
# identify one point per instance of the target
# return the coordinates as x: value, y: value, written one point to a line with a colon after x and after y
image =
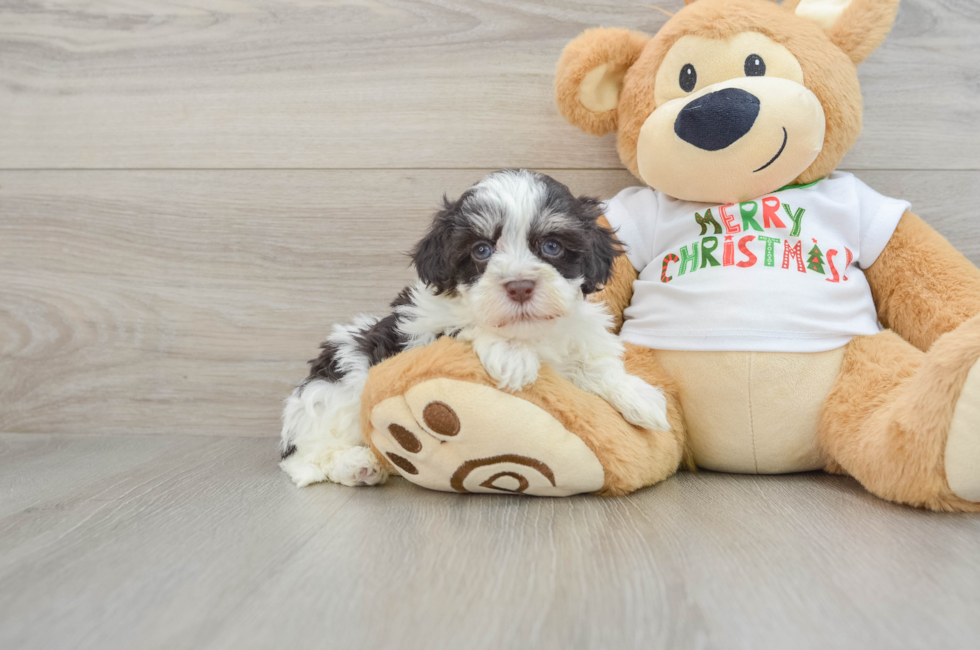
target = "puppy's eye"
x: 754, y: 66
x: 482, y: 251
x: 551, y: 248
x: 689, y: 78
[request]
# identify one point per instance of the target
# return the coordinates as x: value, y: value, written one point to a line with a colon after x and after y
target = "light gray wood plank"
x: 35, y: 469
x: 189, y: 302
x: 208, y: 545
x: 393, y: 84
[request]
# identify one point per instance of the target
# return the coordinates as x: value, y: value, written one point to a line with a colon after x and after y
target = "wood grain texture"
x: 178, y: 297
x: 393, y: 84
x: 188, y: 302
x: 203, y: 543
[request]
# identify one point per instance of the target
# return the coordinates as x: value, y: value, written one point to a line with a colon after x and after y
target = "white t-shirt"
x: 782, y: 273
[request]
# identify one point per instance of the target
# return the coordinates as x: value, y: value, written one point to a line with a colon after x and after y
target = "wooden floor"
x: 198, y: 541
x: 192, y: 192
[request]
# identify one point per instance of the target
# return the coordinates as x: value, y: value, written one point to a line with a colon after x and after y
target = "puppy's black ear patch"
x: 432, y: 255
x: 602, y: 247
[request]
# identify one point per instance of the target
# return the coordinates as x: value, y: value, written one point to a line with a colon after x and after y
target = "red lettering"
x: 833, y: 269
x: 743, y: 246
x: 770, y: 216
x: 668, y: 258
x: 796, y: 252
x: 728, y: 219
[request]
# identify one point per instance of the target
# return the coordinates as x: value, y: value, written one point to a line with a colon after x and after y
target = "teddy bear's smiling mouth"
x: 778, y: 153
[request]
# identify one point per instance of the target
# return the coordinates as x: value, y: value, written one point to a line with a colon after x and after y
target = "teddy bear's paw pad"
x: 962, y: 458
x: 457, y: 436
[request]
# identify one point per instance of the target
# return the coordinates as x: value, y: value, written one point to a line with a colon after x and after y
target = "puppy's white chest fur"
x: 577, y: 345
x: 569, y: 344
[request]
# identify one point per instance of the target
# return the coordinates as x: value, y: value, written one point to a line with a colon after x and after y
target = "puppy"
x: 507, y: 267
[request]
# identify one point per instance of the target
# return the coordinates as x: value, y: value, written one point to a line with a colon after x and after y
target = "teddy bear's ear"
x: 855, y: 26
x: 590, y: 75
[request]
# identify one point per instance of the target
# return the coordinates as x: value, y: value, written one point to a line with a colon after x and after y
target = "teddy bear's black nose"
x: 716, y: 120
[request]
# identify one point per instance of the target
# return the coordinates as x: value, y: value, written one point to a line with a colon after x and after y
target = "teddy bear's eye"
x: 754, y: 66
x: 689, y: 78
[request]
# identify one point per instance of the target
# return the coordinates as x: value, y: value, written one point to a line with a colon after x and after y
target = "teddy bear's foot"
x: 458, y: 436
x: 962, y: 457
x: 906, y: 424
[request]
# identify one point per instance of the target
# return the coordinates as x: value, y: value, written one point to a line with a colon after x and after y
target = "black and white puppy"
x: 506, y: 267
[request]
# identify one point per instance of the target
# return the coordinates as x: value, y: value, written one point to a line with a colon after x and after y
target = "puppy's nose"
x: 716, y: 120
x: 520, y: 291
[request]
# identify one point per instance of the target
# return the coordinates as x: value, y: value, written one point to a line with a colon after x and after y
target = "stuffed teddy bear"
x: 755, y: 288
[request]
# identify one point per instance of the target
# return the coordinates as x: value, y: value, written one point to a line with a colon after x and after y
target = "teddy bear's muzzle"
x: 746, y: 137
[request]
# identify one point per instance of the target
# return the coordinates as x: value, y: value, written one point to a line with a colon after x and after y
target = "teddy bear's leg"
x: 437, y: 418
x: 906, y: 423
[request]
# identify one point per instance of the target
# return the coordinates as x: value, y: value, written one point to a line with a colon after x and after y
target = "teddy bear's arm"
x: 922, y: 286
x: 618, y: 292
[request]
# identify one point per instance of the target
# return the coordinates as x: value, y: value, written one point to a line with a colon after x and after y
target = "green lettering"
x: 706, y: 252
x: 748, y: 211
x: 691, y: 258
x: 797, y: 220
x: 770, y: 249
x: 705, y: 220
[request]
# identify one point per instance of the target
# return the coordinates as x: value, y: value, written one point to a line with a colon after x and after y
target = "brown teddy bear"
x: 754, y: 283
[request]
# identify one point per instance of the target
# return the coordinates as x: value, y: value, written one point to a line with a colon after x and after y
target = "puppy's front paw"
x: 642, y: 404
x: 511, y: 367
x: 351, y: 466
x: 517, y: 372
x: 356, y: 466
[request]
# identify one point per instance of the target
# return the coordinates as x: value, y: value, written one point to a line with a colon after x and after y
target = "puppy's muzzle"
x: 520, y: 291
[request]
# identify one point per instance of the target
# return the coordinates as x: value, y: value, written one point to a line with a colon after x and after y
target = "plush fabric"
x: 753, y: 412
x: 962, y: 454
x: 617, y: 292
x: 862, y: 27
x: 828, y: 72
x: 922, y: 286
x: 616, y: 50
x: 632, y: 457
x: 436, y: 436
x: 886, y: 421
x: 898, y: 410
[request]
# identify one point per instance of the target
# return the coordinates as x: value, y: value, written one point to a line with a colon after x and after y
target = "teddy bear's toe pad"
x: 457, y: 436
x: 962, y: 458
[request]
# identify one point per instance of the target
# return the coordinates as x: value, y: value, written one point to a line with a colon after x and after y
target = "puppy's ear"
x: 856, y: 26
x: 590, y: 75
x: 431, y: 256
x: 602, y: 247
